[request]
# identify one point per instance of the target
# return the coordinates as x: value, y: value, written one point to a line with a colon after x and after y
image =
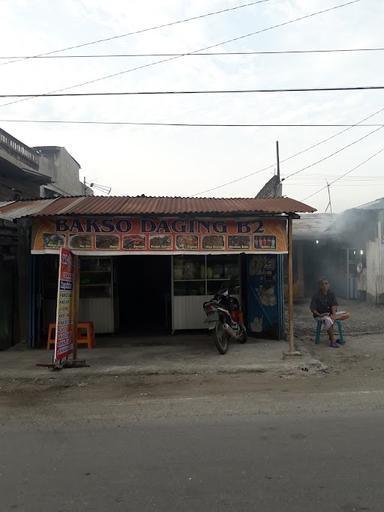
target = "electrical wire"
x: 345, y: 174
x: 356, y: 180
x: 345, y: 183
x: 202, y: 125
x: 238, y: 38
x: 252, y: 173
x: 332, y: 154
x: 204, y: 91
x: 357, y: 185
x: 202, y: 54
x: 140, y: 31
x: 352, y: 178
x: 301, y: 152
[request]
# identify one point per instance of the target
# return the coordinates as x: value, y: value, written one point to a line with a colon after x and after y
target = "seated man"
x: 324, y: 307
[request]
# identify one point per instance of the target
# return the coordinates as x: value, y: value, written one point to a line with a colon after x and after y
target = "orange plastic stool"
x: 85, y: 334
x: 51, y: 335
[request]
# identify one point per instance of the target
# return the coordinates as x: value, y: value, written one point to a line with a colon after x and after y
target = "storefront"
x: 151, y: 263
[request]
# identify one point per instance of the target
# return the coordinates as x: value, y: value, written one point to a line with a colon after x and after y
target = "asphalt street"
x: 152, y: 449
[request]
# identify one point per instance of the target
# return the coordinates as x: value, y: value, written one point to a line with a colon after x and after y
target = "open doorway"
x: 144, y: 294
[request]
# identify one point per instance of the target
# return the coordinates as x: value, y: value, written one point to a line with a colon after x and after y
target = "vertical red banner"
x: 64, y: 313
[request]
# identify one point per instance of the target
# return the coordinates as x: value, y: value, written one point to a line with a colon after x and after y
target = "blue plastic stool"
x: 340, y: 328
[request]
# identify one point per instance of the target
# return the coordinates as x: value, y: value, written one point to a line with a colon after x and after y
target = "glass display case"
x: 96, y: 293
x: 205, y: 275
x: 189, y: 275
x: 95, y: 277
x: 195, y: 280
x: 223, y: 271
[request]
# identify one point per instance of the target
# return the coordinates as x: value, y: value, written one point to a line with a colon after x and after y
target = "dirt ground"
x: 358, y: 365
x: 362, y: 356
x: 365, y: 318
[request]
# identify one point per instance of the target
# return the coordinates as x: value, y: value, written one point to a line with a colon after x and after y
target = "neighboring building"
x: 9, y: 278
x: 346, y: 248
x: 63, y: 172
x: 325, y: 247
x: 26, y: 173
x: 317, y: 252
x: 362, y: 229
x: 20, y: 177
x: 43, y: 171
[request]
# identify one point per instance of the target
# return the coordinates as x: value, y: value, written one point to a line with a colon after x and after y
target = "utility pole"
x: 291, y: 342
x: 290, y: 335
x: 279, y: 185
x: 277, y: 160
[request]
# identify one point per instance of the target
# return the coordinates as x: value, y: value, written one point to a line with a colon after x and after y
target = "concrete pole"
x: 291, y: 345
x: 277, y: 160
x: 379, y: 277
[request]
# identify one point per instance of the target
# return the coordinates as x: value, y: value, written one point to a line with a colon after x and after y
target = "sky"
x: 187, y: 161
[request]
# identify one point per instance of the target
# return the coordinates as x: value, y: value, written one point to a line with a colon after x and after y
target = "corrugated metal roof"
x: 143, y: 205
x: 313, y: 225
x: 17, y: 209
x: 377, y: 204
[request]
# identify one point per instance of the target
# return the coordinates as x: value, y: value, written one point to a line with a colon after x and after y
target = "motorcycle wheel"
x: 221, y: 338
x: 243, y: 337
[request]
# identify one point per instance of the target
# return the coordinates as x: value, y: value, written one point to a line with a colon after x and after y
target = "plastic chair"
x: 340, y: 328
x: 85, y: 334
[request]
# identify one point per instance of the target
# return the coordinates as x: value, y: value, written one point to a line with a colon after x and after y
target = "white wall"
x: 375, y: 269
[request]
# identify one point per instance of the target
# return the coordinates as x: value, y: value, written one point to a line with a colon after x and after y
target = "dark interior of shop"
x: 143, y: 285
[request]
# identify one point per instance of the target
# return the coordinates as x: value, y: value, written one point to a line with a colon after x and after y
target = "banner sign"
x: 125, y: 235
x: 64, y: 316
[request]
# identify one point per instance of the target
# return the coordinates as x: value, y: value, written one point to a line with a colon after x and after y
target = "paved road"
x: 275, y: 449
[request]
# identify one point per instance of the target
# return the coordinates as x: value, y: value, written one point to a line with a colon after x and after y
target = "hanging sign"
x: 124, y: 235
x: 64, y: 312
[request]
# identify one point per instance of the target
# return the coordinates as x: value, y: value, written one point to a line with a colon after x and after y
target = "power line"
x: 345, y: 174
x: 352, y: 178
x: 140, y: 31
x: 204, y: 91
x: 337, y: 184
x: 301, y: 152
x: 254, y: 172
x: 352, y: 181
x: 201, y: 54
x: 203, y: 125
x: 332, y: 154
x: 238, y: 38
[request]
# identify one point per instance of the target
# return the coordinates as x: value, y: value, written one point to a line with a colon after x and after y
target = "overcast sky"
x: 185, y: 161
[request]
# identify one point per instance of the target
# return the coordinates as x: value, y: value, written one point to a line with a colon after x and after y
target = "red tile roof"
x: 144, y: 205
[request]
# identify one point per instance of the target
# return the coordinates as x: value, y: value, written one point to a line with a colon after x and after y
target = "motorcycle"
x: 224, y: 320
